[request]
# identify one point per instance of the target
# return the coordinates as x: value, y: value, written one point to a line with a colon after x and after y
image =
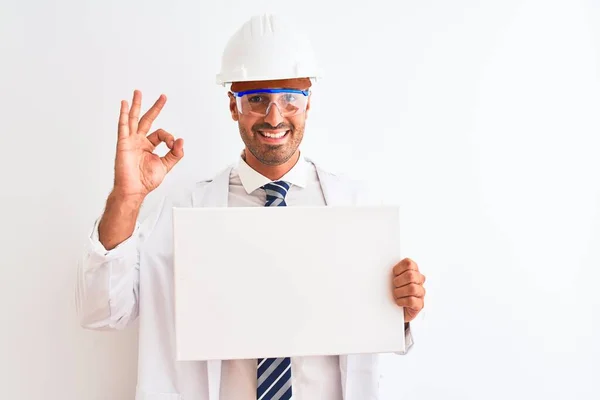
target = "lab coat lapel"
x: 214, y: 192
x: 337, y: 191
x: 358, y: 372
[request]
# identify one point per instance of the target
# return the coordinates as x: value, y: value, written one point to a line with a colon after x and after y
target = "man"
x: 127, y: 271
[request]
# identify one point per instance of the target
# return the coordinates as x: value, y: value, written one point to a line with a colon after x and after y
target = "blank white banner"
x: 302, y: 281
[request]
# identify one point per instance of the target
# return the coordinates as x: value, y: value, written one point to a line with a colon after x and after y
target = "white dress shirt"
x: 320, y: 375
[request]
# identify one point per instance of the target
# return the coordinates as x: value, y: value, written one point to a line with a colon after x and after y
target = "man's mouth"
x: 274, y: 136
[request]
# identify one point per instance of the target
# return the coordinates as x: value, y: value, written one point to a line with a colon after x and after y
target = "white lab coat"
x: 136, y: 279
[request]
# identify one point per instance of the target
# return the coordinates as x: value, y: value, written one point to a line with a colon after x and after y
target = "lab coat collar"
x: 215, y: 192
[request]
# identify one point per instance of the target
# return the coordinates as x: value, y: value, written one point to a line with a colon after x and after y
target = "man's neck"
x: 273, y: 172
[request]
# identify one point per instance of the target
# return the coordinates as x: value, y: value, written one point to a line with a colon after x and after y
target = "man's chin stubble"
x: 270, y: 161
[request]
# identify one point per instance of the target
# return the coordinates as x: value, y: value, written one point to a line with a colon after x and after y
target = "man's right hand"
x: 138, y: 171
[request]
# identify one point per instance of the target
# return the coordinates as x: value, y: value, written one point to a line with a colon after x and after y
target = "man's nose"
x: 273, y: 116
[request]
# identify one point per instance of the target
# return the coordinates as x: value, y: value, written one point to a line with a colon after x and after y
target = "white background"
x: 481, y: 119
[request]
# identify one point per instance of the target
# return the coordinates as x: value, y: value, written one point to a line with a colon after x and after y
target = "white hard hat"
x: 267, y: 47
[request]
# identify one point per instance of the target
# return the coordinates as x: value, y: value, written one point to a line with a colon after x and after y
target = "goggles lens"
x: 289, y: 102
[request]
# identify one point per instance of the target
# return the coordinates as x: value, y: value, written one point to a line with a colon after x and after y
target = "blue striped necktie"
x: 274, y: 375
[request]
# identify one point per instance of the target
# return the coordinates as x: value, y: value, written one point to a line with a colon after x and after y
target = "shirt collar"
x: 252, y: 180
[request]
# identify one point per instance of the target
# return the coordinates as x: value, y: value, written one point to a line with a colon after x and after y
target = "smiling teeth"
x: 274, y: 135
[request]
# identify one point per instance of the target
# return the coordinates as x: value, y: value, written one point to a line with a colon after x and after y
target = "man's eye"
x: 290, y: 98
x: 255, y: 99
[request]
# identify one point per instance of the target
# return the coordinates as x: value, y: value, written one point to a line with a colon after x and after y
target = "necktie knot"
x: 276, y: 192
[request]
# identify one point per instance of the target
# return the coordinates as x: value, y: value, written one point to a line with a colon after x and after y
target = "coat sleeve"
x: 108, y: 281
x: 408, y: 340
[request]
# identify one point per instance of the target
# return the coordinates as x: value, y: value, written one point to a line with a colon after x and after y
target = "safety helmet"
x: 267, y: 47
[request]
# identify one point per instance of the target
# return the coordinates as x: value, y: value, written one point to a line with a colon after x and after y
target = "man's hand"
x: 408, y: 288
x: 138, y: 170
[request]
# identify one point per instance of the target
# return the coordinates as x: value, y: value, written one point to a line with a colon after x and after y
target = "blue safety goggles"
x: 258, y: 102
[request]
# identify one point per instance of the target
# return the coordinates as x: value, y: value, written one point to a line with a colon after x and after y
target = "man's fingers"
x: 150, y: 116
x: 411, y: 313
x: 409, y: 276
x: 123, y: 129
x: 404, y: 265
x: 134, y: 114
x: 410, y: 290
x: 414, y: 303
x: 160, y: 135
x: 173, y: 156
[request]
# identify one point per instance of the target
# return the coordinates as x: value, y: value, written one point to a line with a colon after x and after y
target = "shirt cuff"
x: 408, y: 339
x: 97, y: 249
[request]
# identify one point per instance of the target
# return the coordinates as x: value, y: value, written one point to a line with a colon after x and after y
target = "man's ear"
x: 233, y: 107
x: 307, y: 106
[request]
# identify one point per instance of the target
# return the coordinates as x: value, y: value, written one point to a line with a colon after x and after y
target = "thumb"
x: 172, y: 157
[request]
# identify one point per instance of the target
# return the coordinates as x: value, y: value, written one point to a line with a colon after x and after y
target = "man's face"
x: 262, y: 135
